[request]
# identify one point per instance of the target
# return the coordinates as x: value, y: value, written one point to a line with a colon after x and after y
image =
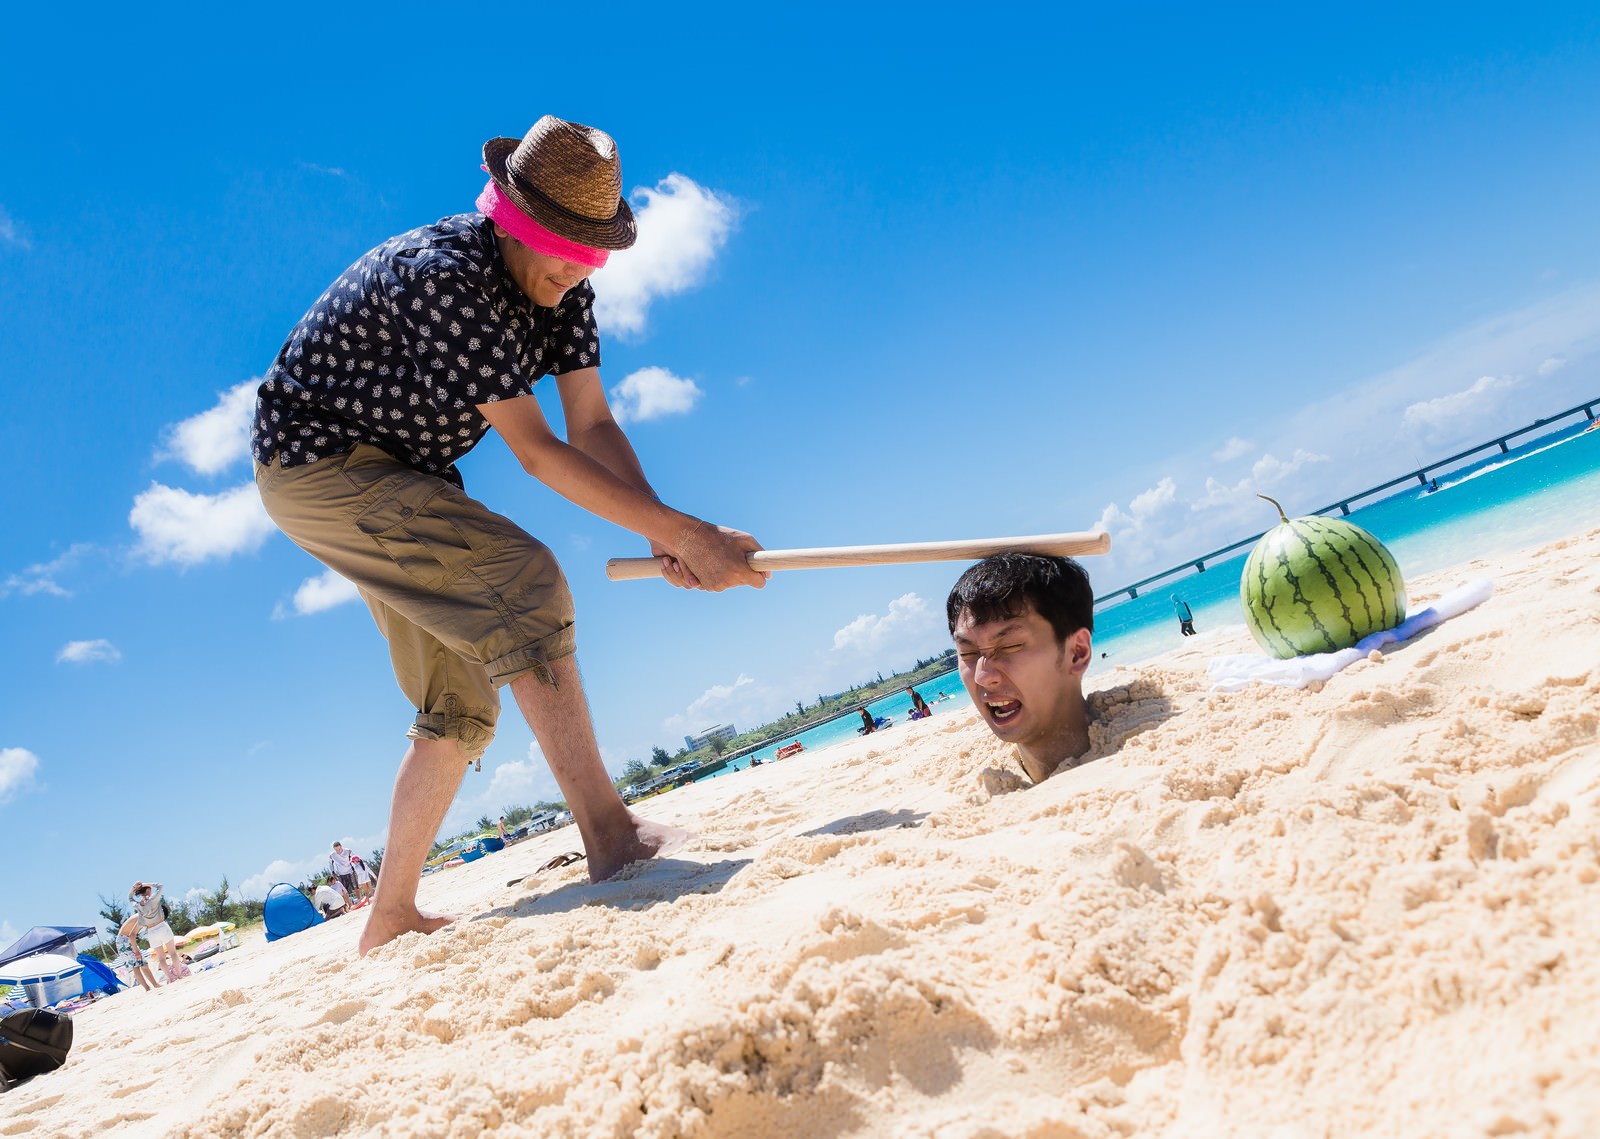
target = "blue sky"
x: 991, y: 271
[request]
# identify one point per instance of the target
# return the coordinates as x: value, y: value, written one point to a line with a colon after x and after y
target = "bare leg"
x: 559, y: 716
x: 168, y: 960
x: 429, y: 777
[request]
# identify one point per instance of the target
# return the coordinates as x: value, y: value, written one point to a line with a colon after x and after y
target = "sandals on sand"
x: 561, y: 860
x: 555, y: 863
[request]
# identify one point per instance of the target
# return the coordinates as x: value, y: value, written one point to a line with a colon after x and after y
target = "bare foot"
x: 648, y: 840
x: 382, y: 927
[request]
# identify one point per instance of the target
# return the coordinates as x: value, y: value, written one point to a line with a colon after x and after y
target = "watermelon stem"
x: 1281, y: 515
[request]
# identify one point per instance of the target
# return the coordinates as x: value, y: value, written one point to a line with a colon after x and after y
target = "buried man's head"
x: 1023, y: 626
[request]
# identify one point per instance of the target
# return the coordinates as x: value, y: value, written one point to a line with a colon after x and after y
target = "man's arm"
x: 715, y: 558
x: 592, y: 429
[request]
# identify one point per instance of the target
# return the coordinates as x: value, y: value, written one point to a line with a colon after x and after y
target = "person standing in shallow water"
x: 401, y: 367
x: 1185, y: 616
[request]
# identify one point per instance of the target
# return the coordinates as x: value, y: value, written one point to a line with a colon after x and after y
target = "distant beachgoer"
x: 423, y: 346
x: 501, y: 827
x: 329, y: 902
x: 1185, y: 616
x: 339, y: 862
x: 867, y: 724
x: 131, y: 956
x: 146, y: 899
x: 1023, y: 626
x: 363, y: 877
x: 919, y: 706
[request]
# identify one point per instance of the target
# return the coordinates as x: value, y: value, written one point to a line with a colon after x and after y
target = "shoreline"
x: 1368, y: 909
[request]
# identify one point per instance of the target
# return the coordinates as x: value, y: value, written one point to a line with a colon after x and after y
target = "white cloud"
x: 682, y: 225
x: 1235, y: 448
x: 324, y: 591
x: 8, y: 933
x: 744, y: 704
x: 281, y: 870
x: 651, y: 393
x: 1552, y: 365
x: 41, y: 578
x: 17, y: 768
x: 1159, y: 526
x: 906, y: 627
x: 176, y: 526
x: 1142, y: 528
x: 12, y: 232
x: 1455, y: 411
x: 517, y: 782
x: 215, y: 439
x: 85, y: 652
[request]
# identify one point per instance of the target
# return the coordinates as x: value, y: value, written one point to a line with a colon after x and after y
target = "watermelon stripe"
x: 1358, y: 581
x: 1262, y: 606
x: 1318, y: 555
x: 1396, y: 588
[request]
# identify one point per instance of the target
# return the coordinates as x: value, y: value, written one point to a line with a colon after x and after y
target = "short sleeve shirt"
x: 404, y: 346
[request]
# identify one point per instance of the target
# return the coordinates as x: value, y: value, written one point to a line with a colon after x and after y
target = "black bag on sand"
x: 32, y: 1042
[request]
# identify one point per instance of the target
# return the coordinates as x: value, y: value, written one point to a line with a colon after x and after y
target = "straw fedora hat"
x: 568, y: 178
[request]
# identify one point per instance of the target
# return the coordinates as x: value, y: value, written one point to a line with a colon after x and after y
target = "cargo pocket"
x: 421, y: 540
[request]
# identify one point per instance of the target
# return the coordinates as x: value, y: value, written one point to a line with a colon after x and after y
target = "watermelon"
x: 1317, y: 585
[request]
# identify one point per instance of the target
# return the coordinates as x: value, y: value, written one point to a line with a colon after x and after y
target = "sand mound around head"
x: 1368, y: 910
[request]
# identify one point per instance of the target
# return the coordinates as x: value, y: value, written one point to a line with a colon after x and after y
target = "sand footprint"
x: 342, y: 1012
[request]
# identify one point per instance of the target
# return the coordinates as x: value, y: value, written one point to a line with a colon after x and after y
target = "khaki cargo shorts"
x: 466, y: 598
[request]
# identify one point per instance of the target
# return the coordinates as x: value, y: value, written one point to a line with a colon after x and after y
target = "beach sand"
x: 1371, y: 909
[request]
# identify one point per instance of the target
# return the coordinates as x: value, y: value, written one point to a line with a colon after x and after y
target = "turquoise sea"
x: 1545, y: 489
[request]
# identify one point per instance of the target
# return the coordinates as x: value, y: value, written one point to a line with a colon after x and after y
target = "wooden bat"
x: 832, y: 557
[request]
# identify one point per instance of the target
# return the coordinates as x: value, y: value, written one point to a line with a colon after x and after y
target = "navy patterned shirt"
x: 407, y: 342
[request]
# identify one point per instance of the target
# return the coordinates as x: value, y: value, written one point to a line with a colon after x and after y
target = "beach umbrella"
x: 39, y: 974
x: 39, y: 968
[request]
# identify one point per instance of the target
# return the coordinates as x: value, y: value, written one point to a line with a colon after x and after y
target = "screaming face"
x: 1026, y: 684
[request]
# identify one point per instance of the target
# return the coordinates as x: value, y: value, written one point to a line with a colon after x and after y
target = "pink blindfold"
x: 504, y: 212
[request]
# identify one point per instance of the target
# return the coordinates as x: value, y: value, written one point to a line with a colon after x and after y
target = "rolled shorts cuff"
x: 471, y: 733
x: 535, y: 658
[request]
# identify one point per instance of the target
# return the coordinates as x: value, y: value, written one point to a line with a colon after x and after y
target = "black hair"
x: 1002, y: 586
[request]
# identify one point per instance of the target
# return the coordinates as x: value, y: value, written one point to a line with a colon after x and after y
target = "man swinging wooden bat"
x: 398, y: 370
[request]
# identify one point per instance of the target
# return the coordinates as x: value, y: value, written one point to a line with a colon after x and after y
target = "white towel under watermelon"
x: 1231, y: 673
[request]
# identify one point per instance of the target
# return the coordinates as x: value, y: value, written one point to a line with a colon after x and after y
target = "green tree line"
x: 804, y: 716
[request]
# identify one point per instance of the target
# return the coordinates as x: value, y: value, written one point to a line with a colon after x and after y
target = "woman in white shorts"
x: 146, y: 899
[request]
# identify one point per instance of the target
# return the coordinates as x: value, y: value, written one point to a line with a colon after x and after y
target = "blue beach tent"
x: 97, y: 976
x: 288, y: 911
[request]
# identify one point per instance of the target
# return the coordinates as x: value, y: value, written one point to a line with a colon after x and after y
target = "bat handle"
x: 633, y: 569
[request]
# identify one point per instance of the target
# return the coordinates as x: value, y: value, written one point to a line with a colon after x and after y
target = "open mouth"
x: 1003, y: 711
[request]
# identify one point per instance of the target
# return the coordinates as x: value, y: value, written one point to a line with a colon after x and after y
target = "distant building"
x: 723, y: 732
